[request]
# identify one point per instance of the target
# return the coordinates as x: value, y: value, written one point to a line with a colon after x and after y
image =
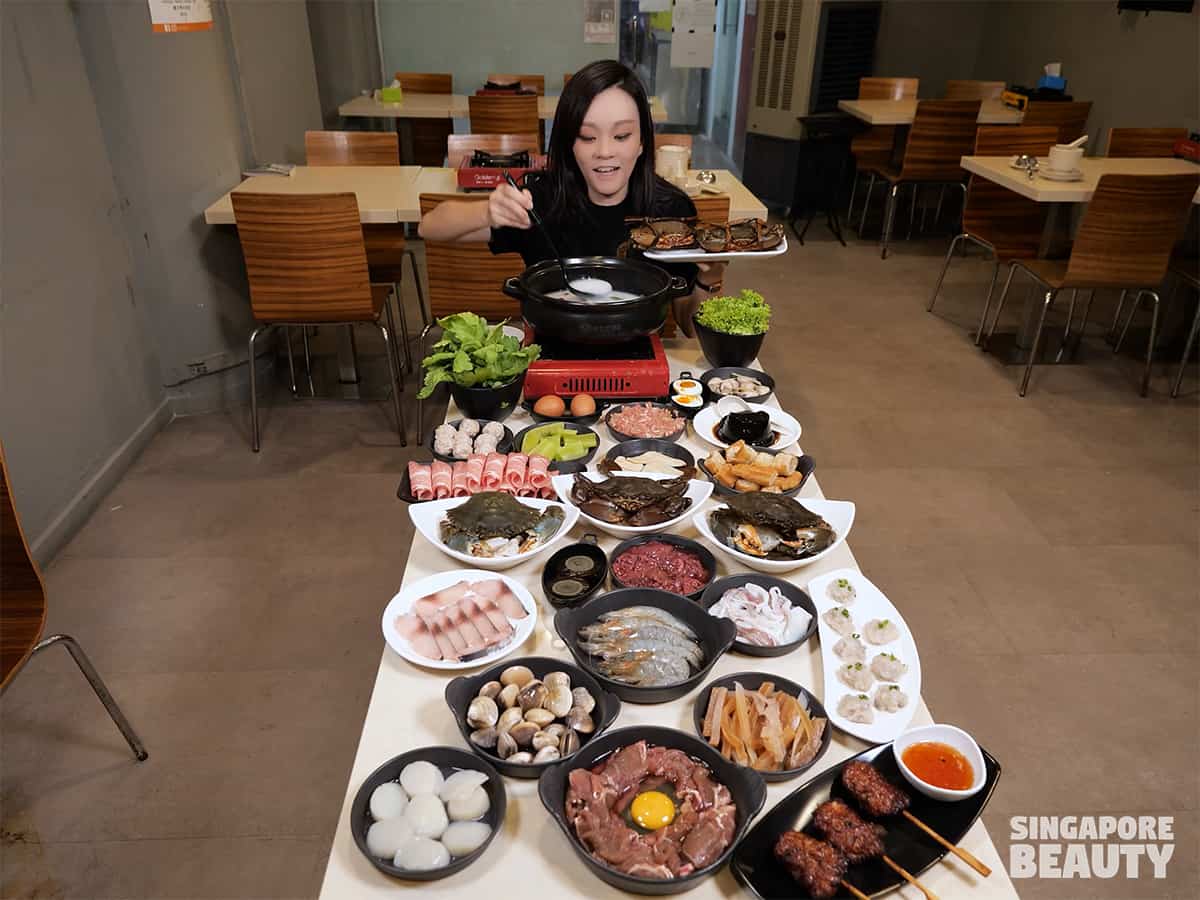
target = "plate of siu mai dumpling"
x: 459, y: 619
x: 869, y: 657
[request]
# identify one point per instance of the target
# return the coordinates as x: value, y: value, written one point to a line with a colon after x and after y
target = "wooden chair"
x: 386, y: 245
x: 428, y: 135
x: 1003, y: 222
x: 23, y: 614
x: 1069, y: 117
x: 662, y: 139
x: 465, y: 276
x: 1144, y: 143
x: 1187, y: 270
x: 504, y: 114
x: 876, y: 145
x: 943, y: 131
x: 712, y: 207
x: 535, y: 83
x: 1124, y: 241
x: 973, y: 90
x: 461, y: 146
x: 306, y: 262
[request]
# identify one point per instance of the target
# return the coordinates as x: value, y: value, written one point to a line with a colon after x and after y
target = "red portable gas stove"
x: 483, y: 171
x: 634, y: 369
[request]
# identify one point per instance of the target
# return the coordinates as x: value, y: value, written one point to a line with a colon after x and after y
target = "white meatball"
x: 388, y: 801
x: 464, y: 806
x: 485, y: 443
x: 889, y: 698
x: 851, y: 649
x: 887, y: 667
x: 421, y: 777
x: 463, y: 447
x: 462, y: 838
x: 839, y: 619
x: 469, y: 427
x: 855, y: 676
x: 420, y: 855
x: 384, y: 838
x: 495, y: 429
x: 856, y: 708
x: 444, y: 432
x: 881, y: 631
x: 463, y: 780
x: 426, y: 816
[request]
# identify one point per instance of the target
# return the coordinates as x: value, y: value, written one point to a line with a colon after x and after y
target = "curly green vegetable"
x: 471, y: 354
x: 747, y: 313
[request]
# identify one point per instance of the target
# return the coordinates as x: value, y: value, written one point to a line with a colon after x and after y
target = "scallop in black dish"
x: 580, y: 722
x: 503, y: 445
x: 591, y: 419
x: 574, y: 574
x: 752, y: 681
x: 797, y: 597
x: 620, y: 436
x: 693, y: 642
x: 747, y: 792
x: 564, y: 466
x: 639, y: 446
x: 660, y: 571
x: 755, y: 865
x: 447, y: 760
x: 728, y: 372
x: 805, y: 465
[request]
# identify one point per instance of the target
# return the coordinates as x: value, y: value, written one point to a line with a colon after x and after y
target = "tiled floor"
x: 1044, y: 550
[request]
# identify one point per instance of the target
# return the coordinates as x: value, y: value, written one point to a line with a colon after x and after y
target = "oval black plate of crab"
x: 681, y: 240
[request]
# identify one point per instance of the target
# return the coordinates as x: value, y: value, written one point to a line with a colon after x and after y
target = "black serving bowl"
x: 728, y: 372
x: 495, y: 404
x: 715, y: 635
x: 462, y: 690
x: 504, y: 445
x: 404, y: 489
x: 695, y: 547
x: 644, y: 445
x: 446, y: 759
x: 746, y: 786
x: 805, y: 466
x: 563, y: 467
x: 751, y: 681
x: 587, y: 547
x: 620, y: 436
x: 722, y: 350
x: 796, y: 595
x: 578, y: 420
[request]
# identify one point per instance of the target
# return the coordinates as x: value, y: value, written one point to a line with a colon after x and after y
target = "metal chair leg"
x: 98, y: 685
x: 912, y: 212
x: 889, y: 218
x: 397, y: 390
x: 1153, y: 295
x: 1187, y: 351
x: 1012, y: 270
x: 254, y: 445
x: 1111, y: 336
x: 937, y: 210
x: 1137, y: 299
x: 1037, y: 338
x: 393, y: 347
x: 412, y: 258
x: 406, y: 343
x: 1066, y: 338
x: 987, y: 301
x: 312, y: 391
x: 866, y: 205
x: 853, y: 191
x: 945, y: 265
x: 421, y: 403
x: 287, y: 337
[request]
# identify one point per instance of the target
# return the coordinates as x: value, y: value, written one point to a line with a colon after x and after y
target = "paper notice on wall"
x: 180, y: 15
x: 600, y: 21
x: 693, y: 33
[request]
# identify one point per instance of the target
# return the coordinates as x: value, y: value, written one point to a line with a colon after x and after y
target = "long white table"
x: 531, y: 855
x: 902, y: 112
x: 448, y: 106
x: 1000, y: 170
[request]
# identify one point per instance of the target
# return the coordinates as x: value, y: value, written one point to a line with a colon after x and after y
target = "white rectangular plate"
x: 705, y: 256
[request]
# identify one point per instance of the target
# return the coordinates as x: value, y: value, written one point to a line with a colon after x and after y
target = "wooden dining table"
x: 448, y: 106
x: 902, y: 112
x: 407, y: 710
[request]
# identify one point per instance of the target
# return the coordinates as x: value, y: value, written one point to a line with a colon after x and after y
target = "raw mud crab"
x: 629, y: 500
x: 771, y: 526
x: 493, y: 523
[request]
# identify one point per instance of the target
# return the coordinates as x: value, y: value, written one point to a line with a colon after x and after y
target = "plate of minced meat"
x: 630, y: 421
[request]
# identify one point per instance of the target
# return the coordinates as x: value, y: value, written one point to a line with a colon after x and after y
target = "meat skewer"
x: 878, y: 797
x: 858, y: 840
x: 818, y: 866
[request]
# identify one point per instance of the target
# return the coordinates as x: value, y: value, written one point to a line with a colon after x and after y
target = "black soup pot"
x: 596, y: 320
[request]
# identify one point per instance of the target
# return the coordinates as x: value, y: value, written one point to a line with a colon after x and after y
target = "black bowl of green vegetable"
x: 731, y: 329
x: 493, y: 403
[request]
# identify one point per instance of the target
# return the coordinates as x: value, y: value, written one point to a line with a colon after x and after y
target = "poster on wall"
x: 168, y: 16
x: 600, y: 21
x: 693, y: 34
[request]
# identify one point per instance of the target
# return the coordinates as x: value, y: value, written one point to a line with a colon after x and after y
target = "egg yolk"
x: 652, y: 810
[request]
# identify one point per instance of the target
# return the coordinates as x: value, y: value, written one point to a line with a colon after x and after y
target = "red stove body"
x: 483, y: 171
x: 636, y: 369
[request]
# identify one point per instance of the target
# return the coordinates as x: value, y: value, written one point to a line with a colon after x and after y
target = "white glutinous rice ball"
x: 465, y: 806
x: 839, y: 619
x: 384, y: 838
x: 421, y: 777
x: 462, y: 838
x: 388, y: 801
x: 881, y: 631
x: 463, y: 780
x: 426, y: 816
x: 421, y: 854
x: 856, y: 708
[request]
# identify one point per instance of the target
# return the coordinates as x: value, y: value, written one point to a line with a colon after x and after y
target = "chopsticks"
x: 930, y: 895
x: 962, y: 854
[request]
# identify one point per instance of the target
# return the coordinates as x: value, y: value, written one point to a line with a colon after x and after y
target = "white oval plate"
x: 838, y: 513
x: 428, y: 516
x: 697, y: 491
x: 870, y: 603
x: 403, y: 601
x: 698, y: 254
x: 789, y: 429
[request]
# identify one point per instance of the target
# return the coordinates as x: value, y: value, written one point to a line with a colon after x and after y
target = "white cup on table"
x: 1064, y: 159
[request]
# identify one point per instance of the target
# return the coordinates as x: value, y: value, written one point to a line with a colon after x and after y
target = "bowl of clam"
x: 526, y: 715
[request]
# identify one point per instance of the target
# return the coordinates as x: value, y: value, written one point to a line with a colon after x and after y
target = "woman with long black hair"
x: 600, y: 171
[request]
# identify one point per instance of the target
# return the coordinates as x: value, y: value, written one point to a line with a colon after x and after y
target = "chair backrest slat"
x: 712, y: 207
x: 1068, y: 116
x: 351, y: 148
x: 459, y: 146
x: 1009, y: 222
x: 888, y: 88
x: 503, y: 114
x: 1144, y: 143
x: 973, y: 90
x: 942, y: 133
x: 426, y: 82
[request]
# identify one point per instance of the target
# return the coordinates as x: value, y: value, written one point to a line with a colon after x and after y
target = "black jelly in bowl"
x: 752, y: 681
x: 447, y: 759
x: 715, y: 637
x: 687, y: 544
x: 746, y: 787
x: 462, y: 690
x: 752, y: 427
x: 566, y: 581
x: 798, y: 597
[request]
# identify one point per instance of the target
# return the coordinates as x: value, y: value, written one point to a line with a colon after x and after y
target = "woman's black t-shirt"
x: 599, y: 233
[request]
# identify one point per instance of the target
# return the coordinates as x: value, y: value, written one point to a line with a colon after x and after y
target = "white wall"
x: 345, y: 50
x: 934, y: 40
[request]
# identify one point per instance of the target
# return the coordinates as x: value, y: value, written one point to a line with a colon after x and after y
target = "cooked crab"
x: 629, y: 500
x: 493, y: 524
x: 769, y: 236
x: 663, y: 234
x: 771, y: 526
x: 743, y: 234
x: 713, y: 236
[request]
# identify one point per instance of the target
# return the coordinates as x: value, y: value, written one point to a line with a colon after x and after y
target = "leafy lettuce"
x: 471, y: 354
x: 747, y: 313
